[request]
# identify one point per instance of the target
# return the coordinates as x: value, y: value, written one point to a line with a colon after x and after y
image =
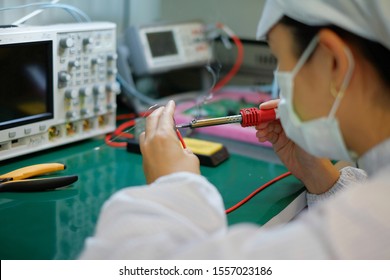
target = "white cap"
x: 369, y: 19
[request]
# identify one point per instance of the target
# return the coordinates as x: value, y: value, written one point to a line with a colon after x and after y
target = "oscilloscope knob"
x: 88, y: 41
x: 85, y: 112
x: 96, y: 61
x: 113, y: 87
x: 84, y: 92
x: 112, y: 57
x: 71, y: 94
x: 111, y: 107
x: 74, y: 64
x: 66, y: 43
x: 71, y: 115
x: 112, y: 72
x: 64, y: 77
x: 98, y: 89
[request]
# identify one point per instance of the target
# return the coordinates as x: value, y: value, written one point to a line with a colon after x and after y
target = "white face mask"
x: 320, y: 137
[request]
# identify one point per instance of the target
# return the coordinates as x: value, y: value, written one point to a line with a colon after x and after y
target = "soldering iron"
x: 247, y: 117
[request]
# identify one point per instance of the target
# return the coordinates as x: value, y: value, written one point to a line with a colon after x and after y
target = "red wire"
x: 233, y: 71
x: 181, y: 139
x: 125, y: 116
x: 250, y: 196
x: 114, y: 144
x: 119, y: 131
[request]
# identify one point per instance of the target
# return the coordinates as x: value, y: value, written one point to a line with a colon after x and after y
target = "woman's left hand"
x: 161, y: 149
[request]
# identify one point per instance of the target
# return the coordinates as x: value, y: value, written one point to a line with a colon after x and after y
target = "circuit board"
x: 219, y: 108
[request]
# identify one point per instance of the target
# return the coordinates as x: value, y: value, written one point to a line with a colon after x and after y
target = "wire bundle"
x: 76, y: 13
x: 121, y: 132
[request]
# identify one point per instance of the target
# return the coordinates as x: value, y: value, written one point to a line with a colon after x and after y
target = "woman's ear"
x: 340, y: 55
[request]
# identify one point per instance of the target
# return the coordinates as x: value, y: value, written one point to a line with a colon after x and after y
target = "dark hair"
x: 377, y: 54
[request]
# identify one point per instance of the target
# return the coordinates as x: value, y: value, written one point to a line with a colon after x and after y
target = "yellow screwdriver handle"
x: 33, y: 170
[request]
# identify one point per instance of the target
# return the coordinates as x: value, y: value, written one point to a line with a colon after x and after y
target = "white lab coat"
x: 181, y: 216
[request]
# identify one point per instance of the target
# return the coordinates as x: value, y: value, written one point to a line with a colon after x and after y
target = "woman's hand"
x: 161, y: 149
x: 318, y: 175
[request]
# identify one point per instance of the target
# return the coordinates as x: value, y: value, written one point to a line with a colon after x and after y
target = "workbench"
x: 55, y: 224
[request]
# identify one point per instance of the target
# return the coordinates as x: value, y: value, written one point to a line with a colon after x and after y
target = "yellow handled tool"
x: 16, y: 181
x: 32, y: 171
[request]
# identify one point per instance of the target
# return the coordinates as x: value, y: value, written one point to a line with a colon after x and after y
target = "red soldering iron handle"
x: 255, y: 116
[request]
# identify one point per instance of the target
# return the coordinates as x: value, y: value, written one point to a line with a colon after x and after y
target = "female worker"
x: 333, y: 59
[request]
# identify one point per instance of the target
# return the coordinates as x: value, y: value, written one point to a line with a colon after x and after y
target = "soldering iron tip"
x: 183, y: 125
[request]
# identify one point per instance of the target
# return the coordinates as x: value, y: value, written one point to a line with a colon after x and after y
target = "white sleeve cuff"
x: 348, y: 175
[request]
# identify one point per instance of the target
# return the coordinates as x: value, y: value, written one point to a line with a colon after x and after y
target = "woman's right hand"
x: 318, y: 174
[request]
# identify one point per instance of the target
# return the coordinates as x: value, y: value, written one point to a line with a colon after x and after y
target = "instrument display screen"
x: 162, y: 43
x: 26, y: 83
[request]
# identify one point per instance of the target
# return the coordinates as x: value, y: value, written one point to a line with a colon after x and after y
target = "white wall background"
x: 240, y: 15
